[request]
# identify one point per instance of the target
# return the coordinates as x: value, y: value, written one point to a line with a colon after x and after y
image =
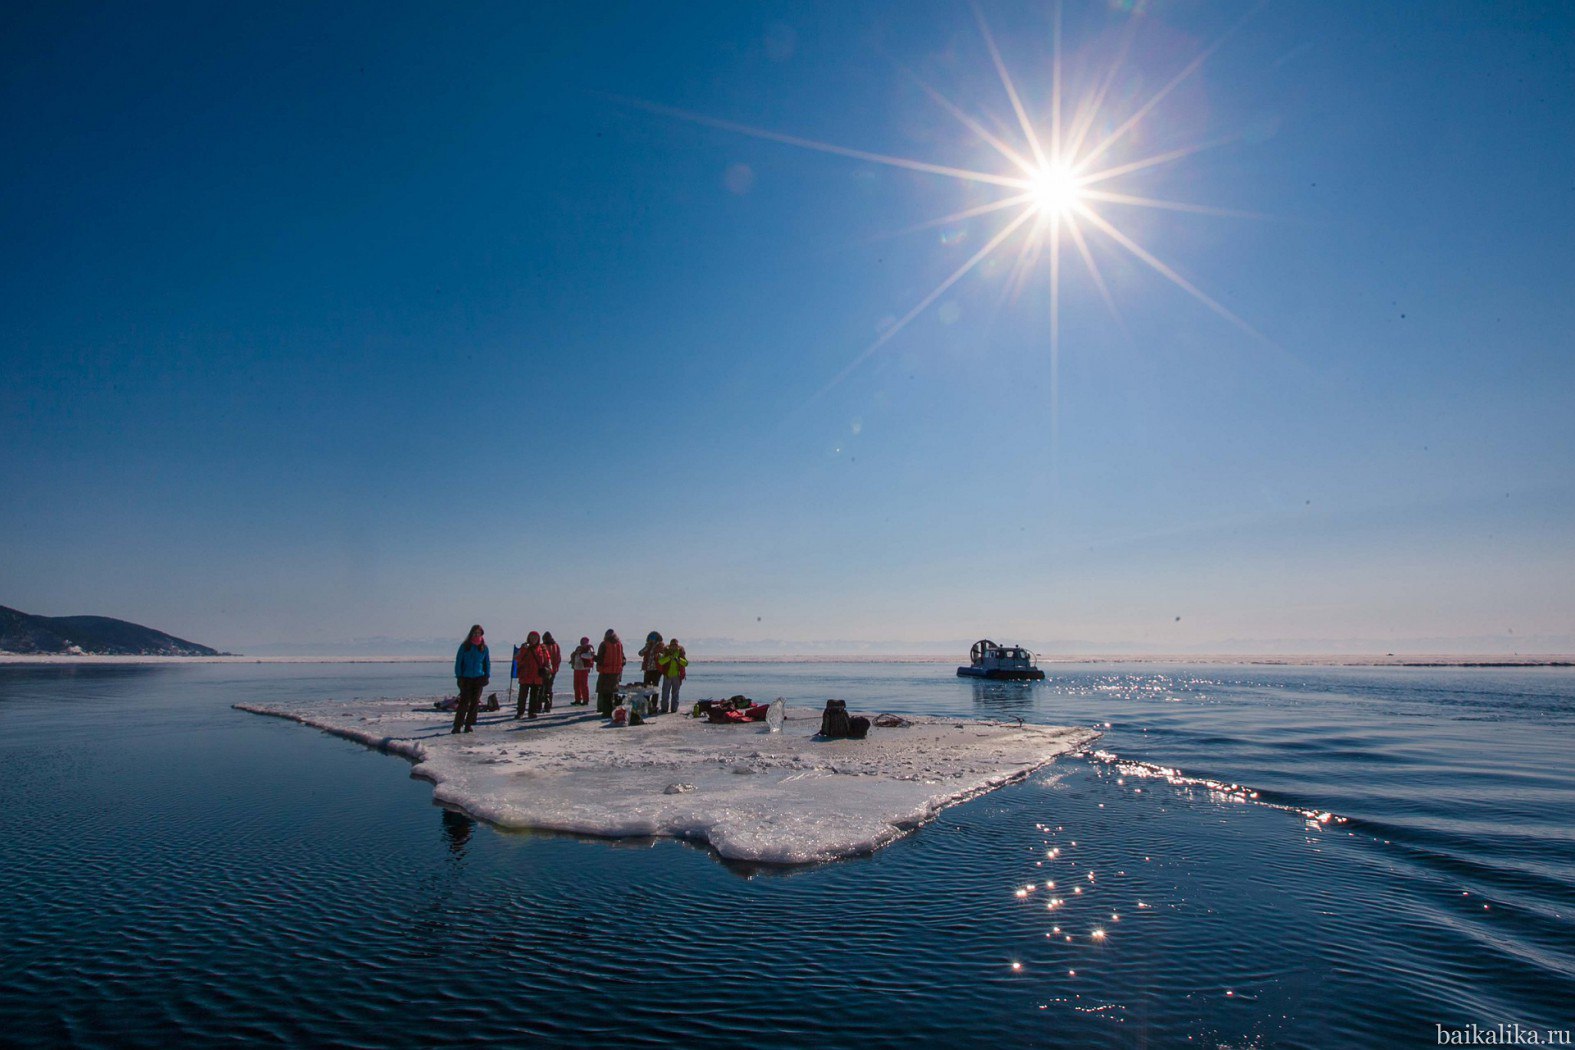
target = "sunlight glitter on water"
x: 384, y: 887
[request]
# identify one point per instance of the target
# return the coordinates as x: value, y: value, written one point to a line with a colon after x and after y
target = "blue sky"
x: 325, y: 324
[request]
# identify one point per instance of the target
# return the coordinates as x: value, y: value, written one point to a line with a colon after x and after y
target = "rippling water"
x: 1251, y: 856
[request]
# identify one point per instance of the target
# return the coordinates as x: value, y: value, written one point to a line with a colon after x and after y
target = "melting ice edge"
x: 771, y: 798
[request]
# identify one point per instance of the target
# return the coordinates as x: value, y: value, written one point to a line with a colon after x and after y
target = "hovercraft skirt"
x: 1031, y: 675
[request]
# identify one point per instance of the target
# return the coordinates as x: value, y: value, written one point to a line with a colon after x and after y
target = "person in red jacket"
x: 609, y: 669
x: 533, y: 664
x: 649, y: 657
x: 554, y: 661
x: 581, y: 661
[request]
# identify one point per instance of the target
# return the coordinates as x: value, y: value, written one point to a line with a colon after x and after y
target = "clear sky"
x: 322, y: 323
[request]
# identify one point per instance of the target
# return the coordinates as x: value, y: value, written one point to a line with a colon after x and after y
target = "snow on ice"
x: 753, y: 795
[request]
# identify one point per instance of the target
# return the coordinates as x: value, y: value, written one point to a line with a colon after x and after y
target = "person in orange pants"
x: 581, y: 661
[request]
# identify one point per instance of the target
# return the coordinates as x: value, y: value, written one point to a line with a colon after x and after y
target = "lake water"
x: 179, y: 873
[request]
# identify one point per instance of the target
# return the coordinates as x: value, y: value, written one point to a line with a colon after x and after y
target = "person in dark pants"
x: 554, y: 661
x: 673, y: 662
x: 472, y: 670
x: 649, y: 657
x: 532, y: 659
x: 609, y: 669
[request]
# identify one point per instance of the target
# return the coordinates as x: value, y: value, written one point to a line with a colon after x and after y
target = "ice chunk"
x: 802, y: 800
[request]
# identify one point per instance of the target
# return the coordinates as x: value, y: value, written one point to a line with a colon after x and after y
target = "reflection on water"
x: 74, y: 681
x: 1153, y: 893
x: 456, y: 831
x: 1003, y: 696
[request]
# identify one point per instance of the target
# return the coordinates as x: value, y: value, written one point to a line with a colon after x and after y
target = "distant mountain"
x: 22, y: 632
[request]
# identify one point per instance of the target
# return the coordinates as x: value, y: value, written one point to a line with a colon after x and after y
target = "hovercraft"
x: 1009, y: 662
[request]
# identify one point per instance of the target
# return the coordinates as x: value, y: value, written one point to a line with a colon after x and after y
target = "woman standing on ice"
x: 554, y: 661
x: 609, y: 668
x: 580, y: 662
x: 533, y: 665
x: 672, y: 661
x: 649, y: 657
x: 472, y: 670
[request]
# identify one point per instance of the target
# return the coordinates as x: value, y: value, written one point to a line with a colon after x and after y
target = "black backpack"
x: 834, y: 722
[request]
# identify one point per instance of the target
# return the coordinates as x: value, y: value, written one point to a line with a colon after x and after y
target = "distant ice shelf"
x: 774, y: 798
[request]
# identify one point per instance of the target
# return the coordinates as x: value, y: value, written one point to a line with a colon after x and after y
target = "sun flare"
x: 1058, y: 179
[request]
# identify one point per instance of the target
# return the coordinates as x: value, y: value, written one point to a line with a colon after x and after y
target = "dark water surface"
x: 173, y: 872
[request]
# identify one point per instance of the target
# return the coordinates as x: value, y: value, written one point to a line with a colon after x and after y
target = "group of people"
x: 537, y: 661
x: 664, y: 664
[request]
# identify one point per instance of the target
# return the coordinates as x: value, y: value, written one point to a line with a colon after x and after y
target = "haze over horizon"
x: 955, y: 650
x: 950, y: 649
x: 372, y: 322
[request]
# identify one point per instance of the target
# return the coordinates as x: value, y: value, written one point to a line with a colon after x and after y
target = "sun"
x: 1060, y: 179
x: 1056, y: 189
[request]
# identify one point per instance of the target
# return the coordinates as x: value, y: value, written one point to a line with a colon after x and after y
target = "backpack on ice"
x: 836, y: 724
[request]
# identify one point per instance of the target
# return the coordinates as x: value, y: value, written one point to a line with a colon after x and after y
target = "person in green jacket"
x: 672, y: 662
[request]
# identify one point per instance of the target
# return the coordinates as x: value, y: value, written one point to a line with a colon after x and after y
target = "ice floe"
x: 753, y: 795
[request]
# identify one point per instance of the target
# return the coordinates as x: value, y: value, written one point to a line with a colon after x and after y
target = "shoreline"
x: 1476, y: 660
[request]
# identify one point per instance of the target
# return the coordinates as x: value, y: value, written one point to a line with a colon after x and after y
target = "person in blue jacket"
x: 473, y: 670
